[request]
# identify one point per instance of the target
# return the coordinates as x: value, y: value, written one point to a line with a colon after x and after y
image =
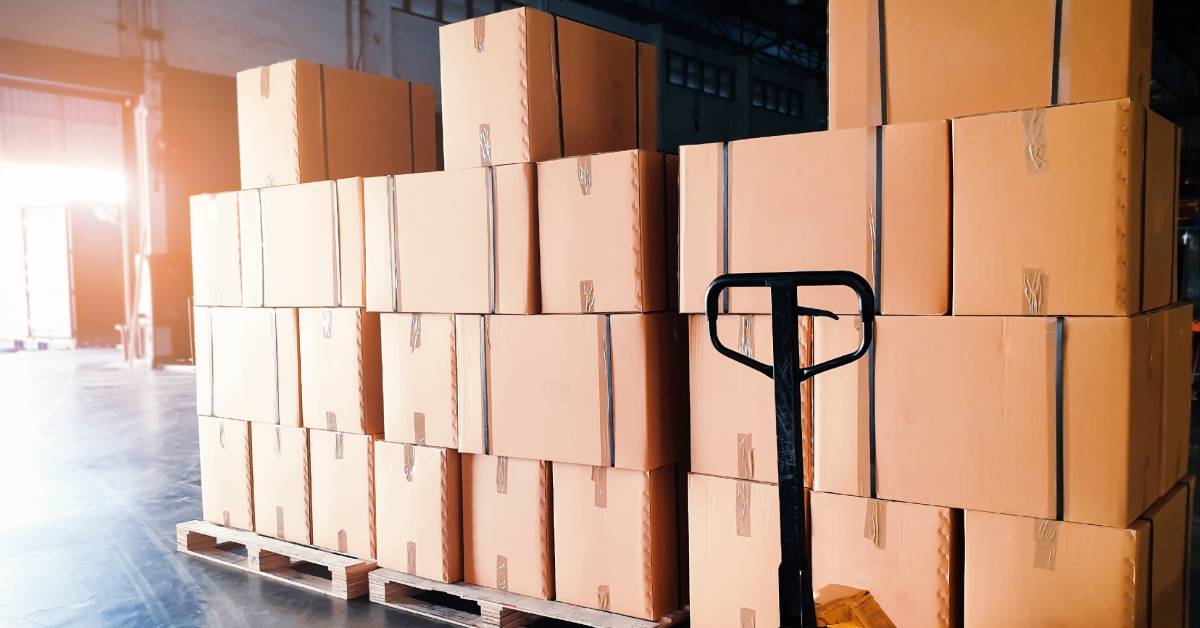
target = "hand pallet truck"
x: 797, y: 608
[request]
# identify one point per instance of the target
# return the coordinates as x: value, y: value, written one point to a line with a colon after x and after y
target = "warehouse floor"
x: 99, y: 462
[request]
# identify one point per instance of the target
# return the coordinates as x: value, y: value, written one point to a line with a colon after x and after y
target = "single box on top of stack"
x: 300, y: 358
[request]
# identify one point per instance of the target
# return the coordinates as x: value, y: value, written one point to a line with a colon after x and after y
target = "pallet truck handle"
x: 791, y: 281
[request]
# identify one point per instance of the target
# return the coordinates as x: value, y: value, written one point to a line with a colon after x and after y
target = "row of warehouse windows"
x: 708, y: 78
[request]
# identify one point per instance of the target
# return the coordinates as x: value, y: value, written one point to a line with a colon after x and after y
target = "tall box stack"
x: 1013, y: 448
x: 288, y: 358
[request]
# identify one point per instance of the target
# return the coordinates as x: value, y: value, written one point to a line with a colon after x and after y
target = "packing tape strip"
x: 600, y: 487
x: 337, y: 240
x: 583, y: 174
x: 327, y: 323
x: 278, y: 441
x: 747, y: 618
x: 1033, y: 125
x: 742, y: 508
x: 746, y: 336
x: 485, y: 145
x: 603, y: 597
x: 331, y: 422
x: 1045, y: 543
x: 414, y: 332
x: 410, y: 456
x: 419, y: 427
x: 502, y: 475
x: 279, y: 529
x: 411, y: 566
x: 338, y: 450
x: 1033, y: 291
x: 480, y: 39
x: 221, y: 433
x: 342, y: 541
x: 745, y: 456
x: 587, y: 296
x: 225, y: 518
x: 264, y: 82
x: 501, y: 572
x: 875, y: 523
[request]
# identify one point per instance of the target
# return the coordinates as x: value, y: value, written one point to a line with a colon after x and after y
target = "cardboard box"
x: 944, y: 59
x: 341, y: 370
x: 586, y: 389
x: 282, y: 504
x: 603, y: 240
x: 302, y: 245
x: 1170, y: 522
x: 300, y: 121
x: 1176, y: 326
x: 1161, y: 215
x: 226, y: 496
x: 1048, y: 211
x: 733, y: 536
x: 980, y: 391
x: 733, y: 407
x: 811, y: 202
x: 1021, y: 571
x: 462, y: 241
x: 419, y: 377
x: 418, y: 510
x: 506, y: 525
x: 216, y: 258
x: 248, y: 364
x: 522, y: 85
x: 907, y: 555
x: 343, y: 492
x: 615, y: 539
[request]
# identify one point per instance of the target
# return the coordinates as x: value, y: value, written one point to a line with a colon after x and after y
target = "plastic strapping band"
x: 1058, y: 10
x: 262, y: 249
x: 392, y: 242
x: 873, y: 482
x: 1150, y: 570
x: 1145, y: 212
x: 725, y: 221
x: 337, y: 244
x: 483, y: 385
x: 562, y: 141
x: 877, y: 254
x: 491, y: 237
x: 883, y: 77
x: 212, y: 394
x: 324, y: 125
x: 1059, y: 338
x: 275, y: 363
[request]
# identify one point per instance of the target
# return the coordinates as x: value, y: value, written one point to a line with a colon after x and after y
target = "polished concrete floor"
x: 98, y: 463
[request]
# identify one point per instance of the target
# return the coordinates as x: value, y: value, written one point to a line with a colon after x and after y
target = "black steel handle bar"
x: 793, y: 280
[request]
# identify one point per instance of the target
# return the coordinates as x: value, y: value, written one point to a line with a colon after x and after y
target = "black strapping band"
x: 485, y: 402
x: 725, y: 222
x: 637, y: 94
x: 412, y: 140
x: 324, y: 125
x: 1058, y: 7
x: 608, y: 374
x: 874, y: 482
x: 562, y: 141
x: 1059, y: 338
x: 883, y: 83
x: 878, y: 235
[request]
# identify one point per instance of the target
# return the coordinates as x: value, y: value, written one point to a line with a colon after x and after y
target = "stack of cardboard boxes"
x: 287, y: 357
x: 1013, y: 449
x: 483, y: 381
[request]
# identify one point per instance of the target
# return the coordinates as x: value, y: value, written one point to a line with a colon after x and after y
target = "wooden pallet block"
x: 275, y: 559
x: 497, y: 609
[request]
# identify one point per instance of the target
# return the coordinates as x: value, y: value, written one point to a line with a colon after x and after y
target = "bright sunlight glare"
x: 34, y: 184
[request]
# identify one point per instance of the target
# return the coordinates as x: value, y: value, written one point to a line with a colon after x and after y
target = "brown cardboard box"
x: 944, y: 58
x: 522, y: 85
x: 615, y: 539
x: 980, y: 392
x: 226, y: 496
x: 809, y: 202
x: 1048, y: 211
x: 300, y: 121
x: 459, y: 241
x: 248, y: 364
x: 343, y: 491
x: 1176, y: 392
x: 602, y: 233
x: 282, y: 505
x: 216, y: 258
x: 341, y: 387
x: 733, y: 532
x: 302, y: 245
x: 1033, y: 572
x: 419, y: 378
x: 418, y: 510
x: 1170, y: 522
x: 733, y: 407
x: 906, y: 555
x: 506, y: 524
x: 586, y: 389
x: 1161, y: 202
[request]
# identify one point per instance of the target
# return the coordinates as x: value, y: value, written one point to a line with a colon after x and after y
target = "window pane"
x: 693, y: 74
x: 785, y: 100
x: 675, y: 65
x: 772, y: 97
x: 756, y: 94
x: 424, y: 8
x: 454, y: 10
x: 710, y: 79
x: 726, y: 87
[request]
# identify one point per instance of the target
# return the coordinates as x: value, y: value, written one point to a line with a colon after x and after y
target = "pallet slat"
x: 498, y: 609
x: 275, y: 559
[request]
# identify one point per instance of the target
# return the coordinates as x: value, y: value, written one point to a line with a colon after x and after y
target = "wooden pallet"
x: 497, y: 609
x: 278, y: 560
